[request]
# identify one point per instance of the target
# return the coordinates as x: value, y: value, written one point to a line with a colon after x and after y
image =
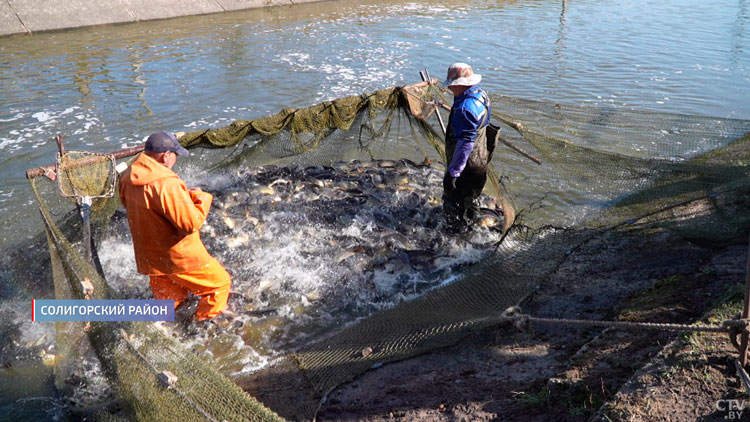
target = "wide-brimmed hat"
x: 162, y: 141
x: 461, y: 74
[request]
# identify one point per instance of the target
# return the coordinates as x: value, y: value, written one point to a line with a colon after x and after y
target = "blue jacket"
x: 470, y: 113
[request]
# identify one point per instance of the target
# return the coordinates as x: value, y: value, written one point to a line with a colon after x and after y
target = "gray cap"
x: 164, y: 141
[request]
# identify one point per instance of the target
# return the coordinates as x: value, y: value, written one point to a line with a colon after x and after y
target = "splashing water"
x: 314, y: 249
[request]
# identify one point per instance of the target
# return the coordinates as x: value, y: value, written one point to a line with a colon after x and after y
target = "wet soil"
x: 567, y: 373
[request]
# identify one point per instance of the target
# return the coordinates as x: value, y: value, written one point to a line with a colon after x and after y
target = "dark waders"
x: 459, y: 205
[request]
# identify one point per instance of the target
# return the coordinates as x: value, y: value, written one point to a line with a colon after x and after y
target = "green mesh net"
x: 604, y: 171
x: 135, y: 356
x: 86, y: 174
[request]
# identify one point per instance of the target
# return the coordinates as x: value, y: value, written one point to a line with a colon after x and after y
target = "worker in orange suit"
x: 165, y: 217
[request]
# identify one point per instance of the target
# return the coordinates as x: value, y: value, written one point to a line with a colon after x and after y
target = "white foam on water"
x: 41, y: 116
x: 16, y: 117
x: 6, y: 195
x: 32, y: 334
x: 33, y: 130
x: 314, y: 274
x: 371, y: 60
x: 118, y: 262
x: 195, y: 176
x: 286, y: 265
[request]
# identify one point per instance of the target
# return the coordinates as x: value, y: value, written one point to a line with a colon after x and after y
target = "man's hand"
x: 195, y: 194
x: 453, y: 182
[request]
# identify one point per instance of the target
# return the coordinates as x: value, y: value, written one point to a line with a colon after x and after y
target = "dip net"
x: 604, y: 171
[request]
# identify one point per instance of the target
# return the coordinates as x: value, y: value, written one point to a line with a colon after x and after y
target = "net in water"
x: 604, y: 170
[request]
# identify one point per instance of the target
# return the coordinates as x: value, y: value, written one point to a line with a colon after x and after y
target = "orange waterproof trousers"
x: 211, y: 282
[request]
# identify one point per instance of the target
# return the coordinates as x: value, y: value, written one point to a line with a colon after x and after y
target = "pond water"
x: 104, y: 88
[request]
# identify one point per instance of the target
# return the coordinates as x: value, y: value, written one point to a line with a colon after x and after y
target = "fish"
x: 240, y: 240
x: 343, y: 256
x: 306, y: 245
x: 279, y: 181
x: 261, y: 312
x: 396, y: 179
x: 487, y: 221
x: 265, y: 190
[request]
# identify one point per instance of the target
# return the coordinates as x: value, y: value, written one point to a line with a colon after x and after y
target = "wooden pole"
x: 746, y: 311
x: 426, y: 78
x: 42, y: 171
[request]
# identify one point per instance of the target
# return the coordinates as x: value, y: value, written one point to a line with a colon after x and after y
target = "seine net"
x: 604, y: 170
x: 134, y: 356
x: 86, y: 174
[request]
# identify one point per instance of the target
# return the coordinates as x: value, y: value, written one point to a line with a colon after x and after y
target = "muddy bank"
x: 575, y: 373
x: 29, y: 16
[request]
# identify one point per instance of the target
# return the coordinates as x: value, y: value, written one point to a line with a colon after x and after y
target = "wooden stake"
x: 745, y: 311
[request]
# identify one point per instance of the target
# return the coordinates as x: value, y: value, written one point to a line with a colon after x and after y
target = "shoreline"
x: 565, y: 373
x: 28, y: 17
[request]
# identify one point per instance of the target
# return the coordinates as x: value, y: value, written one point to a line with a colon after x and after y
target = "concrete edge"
x: 30, y: 16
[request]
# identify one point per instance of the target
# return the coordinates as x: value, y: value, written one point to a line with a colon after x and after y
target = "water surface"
x: 107, y: 87
x: 104, y: 88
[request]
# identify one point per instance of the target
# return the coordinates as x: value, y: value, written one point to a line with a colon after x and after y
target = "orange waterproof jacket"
x: 164, y: 218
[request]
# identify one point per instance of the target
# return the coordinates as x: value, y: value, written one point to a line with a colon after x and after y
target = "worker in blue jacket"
x: 468, y: 151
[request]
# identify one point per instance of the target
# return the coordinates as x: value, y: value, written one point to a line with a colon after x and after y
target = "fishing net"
x: 604, y: 170
x: 136, y: 357
x: 86, y: 174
